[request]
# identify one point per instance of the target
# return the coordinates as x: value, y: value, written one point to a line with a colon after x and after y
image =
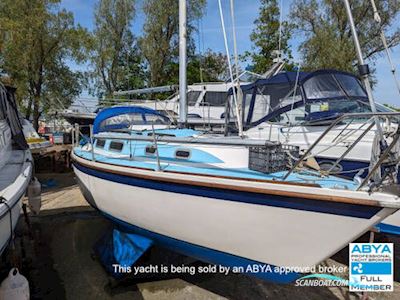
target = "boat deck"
x: 151, y: 164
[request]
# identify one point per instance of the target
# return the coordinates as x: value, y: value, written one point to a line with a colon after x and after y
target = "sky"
x: 246, y: 11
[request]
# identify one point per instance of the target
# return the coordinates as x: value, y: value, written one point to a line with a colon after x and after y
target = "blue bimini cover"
x: 117, y: 249
x: 122, y: 117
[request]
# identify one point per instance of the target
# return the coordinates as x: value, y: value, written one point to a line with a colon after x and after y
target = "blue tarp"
x: 119, y: 248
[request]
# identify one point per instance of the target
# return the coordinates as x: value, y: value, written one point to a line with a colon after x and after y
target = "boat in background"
x: 75, y: 116
x: 35, y: 142
x: 16, y: 165
x: 206, y: 104
x: 298, y: 107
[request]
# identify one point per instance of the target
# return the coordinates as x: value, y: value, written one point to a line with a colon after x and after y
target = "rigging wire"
x: 200, y: 52
x: 127, y: 52
x: 239, y: 94
x: 378, y: 20
x: 235, y: 52
x: 239, y: 120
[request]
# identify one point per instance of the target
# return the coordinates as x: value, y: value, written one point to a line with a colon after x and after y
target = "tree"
x: 328, y: 41
x: 207, y: 67
x: 213, y: 65
x: 265, y: 37
x: 115, y: 58
x: 159, y: 44
x: 37, y: 40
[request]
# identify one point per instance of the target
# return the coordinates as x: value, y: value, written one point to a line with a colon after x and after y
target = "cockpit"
x: 300, y: 98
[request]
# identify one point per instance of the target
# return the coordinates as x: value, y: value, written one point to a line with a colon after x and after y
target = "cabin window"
x: 156, y: 119
x: 351, y: 85
x: 269, y: 98
x: 122, y: 122
x: 182, y: 154
x: 150, y: 150
x: 214, y: 99
x: 323, y: 86
x: 100, y: 143
x: 295, y: 116
x: 192, y: 97
x: 116, y: 146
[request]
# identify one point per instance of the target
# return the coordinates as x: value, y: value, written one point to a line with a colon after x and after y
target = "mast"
x: 238, y: 91
x: 182, y: 63
x: 363, y: 68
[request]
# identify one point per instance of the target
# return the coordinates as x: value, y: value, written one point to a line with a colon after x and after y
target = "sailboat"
x: 16, y: 165
x: 206, y: 103
x: 229, y: 201
x: 297, y: 107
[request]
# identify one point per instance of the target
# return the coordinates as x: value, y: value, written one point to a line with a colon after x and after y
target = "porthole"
x: 116, y: 146
x: 100, y: 143
x: 150, y: 150
x: 182, y: 154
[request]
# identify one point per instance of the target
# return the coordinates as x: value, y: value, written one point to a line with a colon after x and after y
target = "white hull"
x: 7, y: 225
x: 262, y: 233
x: 14, y: 179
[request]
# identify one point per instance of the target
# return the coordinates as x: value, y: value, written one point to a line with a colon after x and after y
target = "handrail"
x: 331, y: 126
x: 351, y: 147
x: 190, y: 140
x: 383, y: 157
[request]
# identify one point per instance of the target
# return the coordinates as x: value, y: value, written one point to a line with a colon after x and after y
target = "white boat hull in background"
x: 14, y: 180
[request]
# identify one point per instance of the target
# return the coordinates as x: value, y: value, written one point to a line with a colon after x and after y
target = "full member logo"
x: 371, y: 267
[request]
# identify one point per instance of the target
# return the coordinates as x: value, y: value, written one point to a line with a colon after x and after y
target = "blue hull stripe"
x: 206, y: 254
x: 336, y: 208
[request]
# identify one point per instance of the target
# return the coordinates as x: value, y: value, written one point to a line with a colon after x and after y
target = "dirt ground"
x: 55, y: 252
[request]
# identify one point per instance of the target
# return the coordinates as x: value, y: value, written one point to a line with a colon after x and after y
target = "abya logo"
x: 371, y: 248
x: 371, y: 267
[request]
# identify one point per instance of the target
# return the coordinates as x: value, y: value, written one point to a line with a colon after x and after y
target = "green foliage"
x: 265, y: 37
x: 115, y: 58
x: 36, y: 41
x: 214, y: 67
x: 207, y: 67
x: 327, y: 36
x: 160, y: 42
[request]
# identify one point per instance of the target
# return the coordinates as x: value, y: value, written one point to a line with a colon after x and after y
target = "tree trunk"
x: 29, y: 109
x: 36, y: 114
